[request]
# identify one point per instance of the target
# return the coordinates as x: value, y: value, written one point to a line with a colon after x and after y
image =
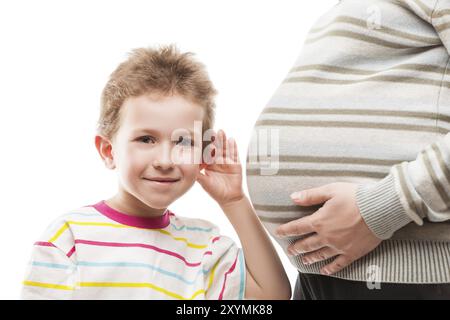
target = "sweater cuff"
x: 380, y: 207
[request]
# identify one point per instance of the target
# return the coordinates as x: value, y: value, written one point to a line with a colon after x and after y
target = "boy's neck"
x: 129, y: 205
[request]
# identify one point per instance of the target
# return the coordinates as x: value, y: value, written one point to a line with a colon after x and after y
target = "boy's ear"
x: 104, y: 148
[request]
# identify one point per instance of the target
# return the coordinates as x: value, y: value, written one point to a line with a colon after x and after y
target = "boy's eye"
x: 185, y: 141
x: 146, y: 139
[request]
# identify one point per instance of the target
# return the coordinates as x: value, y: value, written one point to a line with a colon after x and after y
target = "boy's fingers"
x: 234, y: 151
x: 224, y: 145
x: 220, y: 144
x: 217, y: 144
x: 226, y: 149
x: 209, y: 154
x: 231, y: 150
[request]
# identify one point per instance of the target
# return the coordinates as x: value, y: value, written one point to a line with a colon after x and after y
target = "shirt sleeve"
x: 225, y: 279
x: 411, y: 192
x: 51, y: 272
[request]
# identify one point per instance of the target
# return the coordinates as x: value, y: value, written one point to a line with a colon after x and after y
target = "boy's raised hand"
x: 222, y: 178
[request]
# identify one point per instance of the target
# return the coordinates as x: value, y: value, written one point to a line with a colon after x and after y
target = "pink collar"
x: 139, y: 222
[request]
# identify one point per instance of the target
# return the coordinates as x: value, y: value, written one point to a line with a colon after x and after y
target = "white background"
x: 55, y: 58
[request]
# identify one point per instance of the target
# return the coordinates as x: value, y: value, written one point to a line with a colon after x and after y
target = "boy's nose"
x: 163, y: 159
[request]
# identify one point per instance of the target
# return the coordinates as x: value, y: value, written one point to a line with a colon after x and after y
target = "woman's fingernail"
x: 325, y: 272
x: 306, y: 261
x: 296, y: 195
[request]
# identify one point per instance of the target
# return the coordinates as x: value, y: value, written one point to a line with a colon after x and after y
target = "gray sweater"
x: 366, y: 102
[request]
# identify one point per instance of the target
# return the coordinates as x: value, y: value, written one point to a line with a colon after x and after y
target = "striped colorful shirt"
x: 97, y: 252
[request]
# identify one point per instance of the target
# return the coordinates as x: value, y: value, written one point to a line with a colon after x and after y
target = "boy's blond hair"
x: 162, y: 70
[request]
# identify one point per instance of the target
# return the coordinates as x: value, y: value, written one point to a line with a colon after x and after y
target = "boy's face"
x: 154, y: 148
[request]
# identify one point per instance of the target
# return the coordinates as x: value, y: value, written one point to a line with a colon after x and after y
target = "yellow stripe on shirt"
x: 59, y: 232
x: 151, y: 286
x: 139, y: 285
x: 123, y: 285
x: 48, y: 285
x: 189, y: 244
x: 114, y: 225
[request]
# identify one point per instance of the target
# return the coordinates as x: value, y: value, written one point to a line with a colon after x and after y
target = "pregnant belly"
x: 285, y: 159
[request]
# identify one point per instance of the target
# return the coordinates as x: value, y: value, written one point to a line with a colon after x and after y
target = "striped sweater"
x: 96, y: 252
x: 366, y: 102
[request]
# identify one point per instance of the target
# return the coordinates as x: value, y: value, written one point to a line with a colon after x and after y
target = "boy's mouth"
x: 163, y: 180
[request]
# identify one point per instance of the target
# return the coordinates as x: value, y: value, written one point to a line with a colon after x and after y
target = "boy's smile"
x: 161, y: 182
x: 153, y: 152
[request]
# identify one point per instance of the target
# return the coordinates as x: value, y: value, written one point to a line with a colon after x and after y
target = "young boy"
x: 132, y: 246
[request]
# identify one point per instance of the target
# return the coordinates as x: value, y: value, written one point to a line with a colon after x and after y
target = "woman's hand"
x: 222, y: 179
x: 337, y: 229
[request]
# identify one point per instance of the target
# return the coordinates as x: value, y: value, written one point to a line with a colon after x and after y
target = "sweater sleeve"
x: 440, y: 19
x: 435, y: 12
x: 411, y: 192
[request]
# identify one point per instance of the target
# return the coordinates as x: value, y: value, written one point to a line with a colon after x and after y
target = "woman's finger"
x: 297, y: 227
x: 308, y: 244
x: 319, y: 255
x: 313, y: 196
x: 337, y: 265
